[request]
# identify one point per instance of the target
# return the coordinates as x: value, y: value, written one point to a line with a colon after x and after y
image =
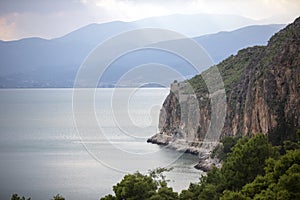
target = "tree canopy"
x: 252, y: 169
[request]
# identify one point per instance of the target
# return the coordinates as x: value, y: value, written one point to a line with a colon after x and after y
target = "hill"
x: 262, y: 86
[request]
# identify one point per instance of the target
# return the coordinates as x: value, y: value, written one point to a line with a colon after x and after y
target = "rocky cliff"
x: 262, y: 86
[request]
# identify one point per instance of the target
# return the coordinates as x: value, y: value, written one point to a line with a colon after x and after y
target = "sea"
x: 51, y: 144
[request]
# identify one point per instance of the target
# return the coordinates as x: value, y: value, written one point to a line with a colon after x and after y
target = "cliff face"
x: 262, y: 87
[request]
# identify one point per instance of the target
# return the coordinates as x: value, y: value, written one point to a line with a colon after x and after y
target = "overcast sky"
x: 54, y: 18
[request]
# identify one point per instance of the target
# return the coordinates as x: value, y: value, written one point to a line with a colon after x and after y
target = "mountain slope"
x: 262, y: 85
x: 35, y: 62
x: 197, y: 24
x: 223, y: 44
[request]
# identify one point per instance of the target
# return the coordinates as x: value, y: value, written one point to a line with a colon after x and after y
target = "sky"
x: 54, y: 18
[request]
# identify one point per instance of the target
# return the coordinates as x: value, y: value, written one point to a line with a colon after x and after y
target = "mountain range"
x: 37, y: 62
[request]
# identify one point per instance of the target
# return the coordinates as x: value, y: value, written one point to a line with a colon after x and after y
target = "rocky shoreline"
x: 206, y: 163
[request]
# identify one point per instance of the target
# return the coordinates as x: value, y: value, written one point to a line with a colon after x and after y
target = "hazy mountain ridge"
x: 220, y: 44
x: 36, y: 62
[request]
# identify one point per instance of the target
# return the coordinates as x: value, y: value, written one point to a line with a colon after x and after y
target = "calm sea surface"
x: 44, y: 150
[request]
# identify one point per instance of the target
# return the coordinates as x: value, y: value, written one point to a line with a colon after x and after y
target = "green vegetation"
x: 222, y: 150
x: 58, y: 197
x: 280, y: 181
x: 17, y: 197
x: 243, y: 164
x: 231, y: 70
x: 138, y: 186
x: 252, y: 169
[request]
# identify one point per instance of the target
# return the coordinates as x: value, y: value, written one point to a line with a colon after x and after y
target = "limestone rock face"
x: 262, y: 85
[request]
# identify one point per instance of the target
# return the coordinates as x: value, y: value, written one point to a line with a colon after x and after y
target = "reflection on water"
x: 42, y: 154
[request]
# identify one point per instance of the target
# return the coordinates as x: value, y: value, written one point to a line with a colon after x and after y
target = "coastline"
x: 206, y: 162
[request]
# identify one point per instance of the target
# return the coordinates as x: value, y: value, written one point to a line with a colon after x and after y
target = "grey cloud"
x: 38, y: 6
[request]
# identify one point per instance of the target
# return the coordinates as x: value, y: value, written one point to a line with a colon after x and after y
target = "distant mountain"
x: 197, y: 24
x: 223, y: 44
x: 36, y: 62
x: 189, y: 25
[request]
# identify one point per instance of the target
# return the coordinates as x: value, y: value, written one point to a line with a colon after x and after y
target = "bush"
x: 138, y: 186
x: 58, y: 197
x: 16, y: 197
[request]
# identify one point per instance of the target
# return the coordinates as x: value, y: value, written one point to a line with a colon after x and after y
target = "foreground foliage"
x: 280, y: 181
x: 252, y: 169
x: 17, y: 197
x: 138, y: 186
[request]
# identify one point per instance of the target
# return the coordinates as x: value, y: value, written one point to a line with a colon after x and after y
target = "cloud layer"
x: 54, y: 18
